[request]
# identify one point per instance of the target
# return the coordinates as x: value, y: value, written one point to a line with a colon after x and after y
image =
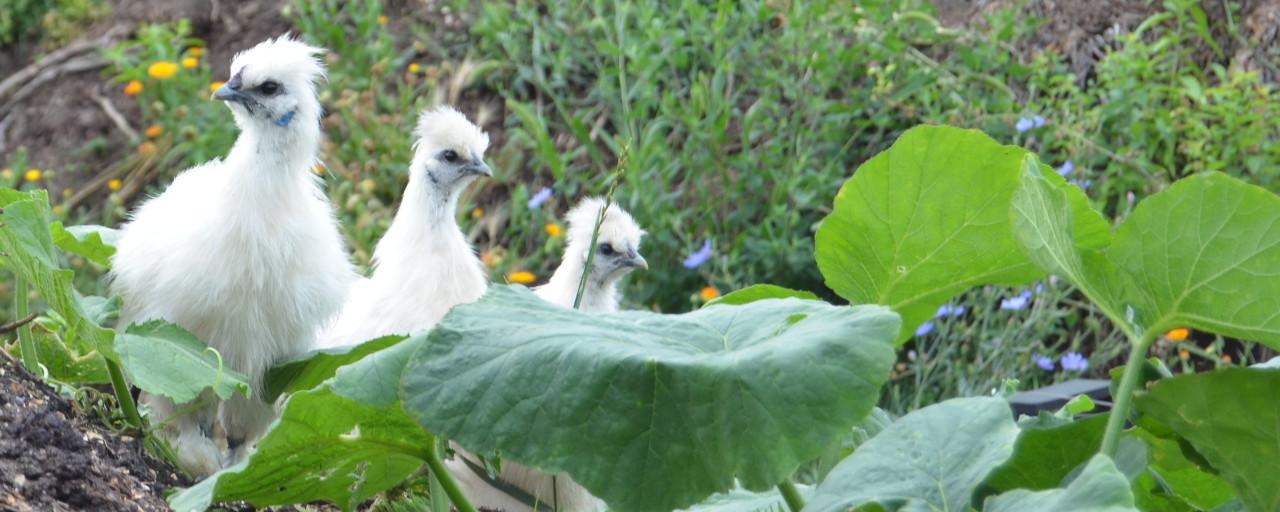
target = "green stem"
x: 26, y: 343
x: 446, y: 480
x: 1124, y: 395
x: 123, y: 395
x: 791, y: 495
x: 595, y: 232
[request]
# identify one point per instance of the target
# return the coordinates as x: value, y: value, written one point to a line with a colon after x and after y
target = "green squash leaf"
x: 94, y: 243
x: 759, y: 292
x: 1231, y: 418
x: 927, y: 220
x: 324, y: 447
x: 165, y: 359
x: 313, y: 368
x: 1181, y: 476
x: 1042, y: 457
x: 1205, y: 254
x: 27, y: 249
x: 930, y: 459
x: 650, y: 411
x: 1100, y: 487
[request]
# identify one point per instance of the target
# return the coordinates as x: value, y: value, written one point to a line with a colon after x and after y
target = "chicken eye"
x: 269, y: 88
x: 449, y: 155
x: 605, y: 249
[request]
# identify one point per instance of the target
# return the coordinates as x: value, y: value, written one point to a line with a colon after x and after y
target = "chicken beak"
x: 479, y: 169
x: 637, y: 261
x: 226, y: 93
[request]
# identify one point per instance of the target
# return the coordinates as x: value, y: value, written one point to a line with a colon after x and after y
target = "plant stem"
x: 446, y: 480
x: 791, y: 495
x: 595, y: 233
x: 1120, y: 412
x: 123, y: 395
x: 26, y: 344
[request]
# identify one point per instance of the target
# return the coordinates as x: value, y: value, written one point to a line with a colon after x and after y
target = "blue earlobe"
x: 285, y: 119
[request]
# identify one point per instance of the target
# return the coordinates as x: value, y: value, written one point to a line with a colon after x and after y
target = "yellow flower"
x: 114, y: 185
x: 709, y: 293
x: 59, y: 209
x: 33, y: 174
x: 318, y: 169
x: 133, y: 88
x: 190, y: 63
x: 162, y: 70
x: 215, y: 86
x: 1178, y: 334
x: 415, y: 68
x: 553, y: 229
x: 146, y: 149
x: 154, y: 131
x: 522, y: 277
x: 382, y: 20
x: 195, y: 52
x: 477, y: 213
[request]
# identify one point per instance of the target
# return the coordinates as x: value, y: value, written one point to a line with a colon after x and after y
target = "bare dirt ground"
x: 52, y: 459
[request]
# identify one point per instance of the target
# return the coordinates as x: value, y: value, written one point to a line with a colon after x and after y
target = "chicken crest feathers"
x: 448, y: 128
x: 286, y: 56
x: 617, y: 225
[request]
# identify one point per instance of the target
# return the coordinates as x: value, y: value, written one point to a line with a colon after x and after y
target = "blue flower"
x: 1024, y: 124
x: 1044, y: 362
x: 1066, y: 168
x: 1083, y: 184
x: 925, y: 328
x: 696, y: 259
x: 1038, y: 120
x: 949, y: 310
x: 541, y: 197
x: 1073, y: 361
x: 1016, y: 303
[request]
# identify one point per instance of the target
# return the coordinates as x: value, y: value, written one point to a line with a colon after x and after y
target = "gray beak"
x: 226, y: 93
x: 479, y: 169
x: 635, y: 260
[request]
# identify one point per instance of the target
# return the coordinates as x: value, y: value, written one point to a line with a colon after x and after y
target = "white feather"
x: 620, y: 232
x: 423, y: 265
x: 243, y: 252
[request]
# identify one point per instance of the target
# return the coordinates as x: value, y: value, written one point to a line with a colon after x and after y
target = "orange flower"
x: 114, y: 185
x: 489, y: 259
x: 709, y: 293
x: 1179, y: 334
x: 162, y: 70
x: 553, y: 230
x: 155, y: 130
x: 522, y: 277
x: 1184, y: 354
x: 190, y: 63
x: 146, y: 149
x: 1226, y: 358
x: 133, y: 88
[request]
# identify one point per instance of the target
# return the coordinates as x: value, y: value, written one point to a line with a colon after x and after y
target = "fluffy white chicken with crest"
x: 243, y: 252
x: 520, y: 488
x: 423, y: 265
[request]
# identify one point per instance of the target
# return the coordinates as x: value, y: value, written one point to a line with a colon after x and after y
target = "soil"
x: 53, y: 459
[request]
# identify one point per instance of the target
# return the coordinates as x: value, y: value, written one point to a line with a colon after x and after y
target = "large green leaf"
x: 649, y: 411
x: 27, y: 249
x: 1232, y: 418
x: 1100, y: 487
x: 1042, y: 457
x: 931, y: 459
x: 760, y: 291
x: 314, y: 368
x: 1182, y: 477
x: 323, y: 447
x: 95, y: 243
x: 1205, y: 253
x: 928, y: 219
x: 165, y: 359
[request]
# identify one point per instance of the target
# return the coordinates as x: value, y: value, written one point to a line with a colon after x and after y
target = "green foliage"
x: 95, y: 243
x: 315, y: 368
x: 642, y: 381
x: 1230, y: 418
x: 165, y: 359
x: 1099, y: 487
x: 931, y: 459
x: 760, y: 292
x: 19, y: 17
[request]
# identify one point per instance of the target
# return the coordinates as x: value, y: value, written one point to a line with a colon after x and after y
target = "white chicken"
x: 243, y: 252
x: 423, y: 265
x: 518, y: 488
